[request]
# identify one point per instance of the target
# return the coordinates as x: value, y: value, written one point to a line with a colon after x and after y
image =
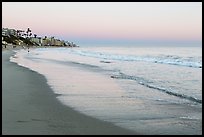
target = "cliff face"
x: 19, y: 40
x: 16, y: 40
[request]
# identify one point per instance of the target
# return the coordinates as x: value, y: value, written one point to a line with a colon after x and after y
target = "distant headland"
x: 28, y: 38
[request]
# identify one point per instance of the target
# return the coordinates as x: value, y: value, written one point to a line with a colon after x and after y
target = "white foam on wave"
x: 195, y: 62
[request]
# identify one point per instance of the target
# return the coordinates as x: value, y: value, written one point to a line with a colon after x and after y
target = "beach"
x: 102, y: 90
x: 30, y: 107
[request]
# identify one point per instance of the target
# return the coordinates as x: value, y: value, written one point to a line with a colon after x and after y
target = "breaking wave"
x: 151, y: 84
x: 195, y: 62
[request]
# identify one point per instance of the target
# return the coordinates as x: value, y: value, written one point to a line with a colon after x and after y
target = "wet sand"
x: 29, y: 106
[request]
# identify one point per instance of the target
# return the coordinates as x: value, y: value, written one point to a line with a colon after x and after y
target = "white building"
x: 7, y: 32
x: 37, y: 40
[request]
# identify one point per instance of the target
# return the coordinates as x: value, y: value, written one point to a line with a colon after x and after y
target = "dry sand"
x: 29, y: 106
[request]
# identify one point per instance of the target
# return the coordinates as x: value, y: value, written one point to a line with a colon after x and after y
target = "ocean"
x: 149, y: 89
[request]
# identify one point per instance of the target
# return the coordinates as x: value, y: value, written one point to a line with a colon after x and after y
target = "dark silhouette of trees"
x: 28, y: 32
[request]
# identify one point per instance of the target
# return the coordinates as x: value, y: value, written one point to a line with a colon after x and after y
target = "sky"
x: 108, y: 22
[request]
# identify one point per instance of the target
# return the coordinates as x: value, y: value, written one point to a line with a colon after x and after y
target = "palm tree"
x: 28, y: 32
x: 18, y: 32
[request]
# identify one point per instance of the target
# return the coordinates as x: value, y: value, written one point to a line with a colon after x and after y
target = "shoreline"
x: 29, y: 106
x: 17, y: 47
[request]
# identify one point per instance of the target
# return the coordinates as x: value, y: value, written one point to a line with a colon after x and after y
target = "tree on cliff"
x: 28, y: 32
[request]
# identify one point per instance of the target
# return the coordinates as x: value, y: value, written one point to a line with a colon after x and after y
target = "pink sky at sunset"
x: 99, y: 20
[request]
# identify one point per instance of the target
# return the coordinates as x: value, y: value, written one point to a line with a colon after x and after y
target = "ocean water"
x: 151, y: 90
